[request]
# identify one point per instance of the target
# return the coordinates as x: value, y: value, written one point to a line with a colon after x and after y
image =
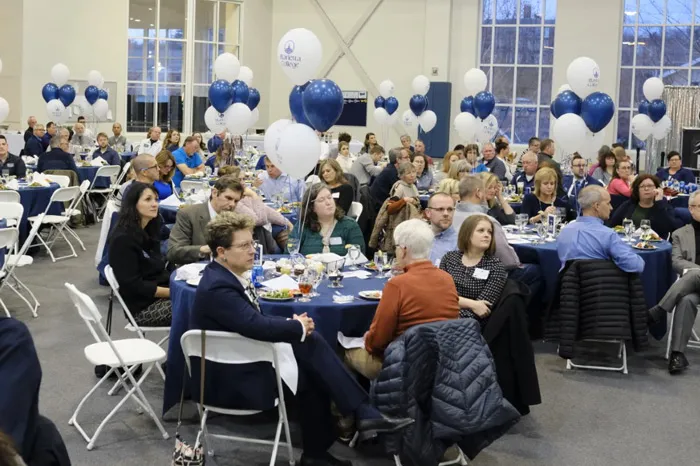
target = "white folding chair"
x: 621, y: 354
x: 21, y: 259
x: 232, y: 348
x: 117, y: 354
x: 8, y: 239
x: 61, y: 180
x: 355, y: 210
x: 191, y: 186
x: 108, y: 171
x: 120, y: 180
x: 57, y: 223
x: 9, y: 195
x: 11, y: 211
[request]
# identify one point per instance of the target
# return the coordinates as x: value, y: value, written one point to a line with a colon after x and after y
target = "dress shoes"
x: 677, y: 363
x: 369, y: 428
x: 326, y: 460
x: 655, y: 315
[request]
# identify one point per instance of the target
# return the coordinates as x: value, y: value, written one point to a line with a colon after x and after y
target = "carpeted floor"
x: 587, y: 418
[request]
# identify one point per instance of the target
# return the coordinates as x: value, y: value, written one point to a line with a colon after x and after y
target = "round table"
x: 34, y: 201
x: 88, y: 173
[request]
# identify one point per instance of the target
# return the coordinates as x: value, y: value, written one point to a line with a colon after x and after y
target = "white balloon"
x: 102, y: 82
x: 272, y: 137
x: 408, y: 118
x: 427, y: 120
x: 569, y: 131
x: 583, y: 75
x: 299, y: 150
x: 95, y: 78
x: 421, y: 85
x: 475, y: 81
x: 254, y: 117
x: 393, y: 118
x: 215, y: 121
x: 642, y: 126
x: 653, y: 88
x: 381, y: 116
x: 246, y: 75
x: 482, y: 135
x: 60, y: 74
x: 4, y: 109
x: 386, y: 88
x: 56, y: 111
x: 0, y: 66
x: 238, y: 118
x: 564, y: 87
x: 84, y: 106
x: 465, y: 124
x: 299, y: 53
x: 591, y: 144
x: 100, y: 109
x: 659, y: 131
x: 227, y: 67
x: 490, y: 125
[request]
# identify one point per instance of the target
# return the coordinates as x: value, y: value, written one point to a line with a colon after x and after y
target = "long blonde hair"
x: 489, y: 179
x: 545, y: 174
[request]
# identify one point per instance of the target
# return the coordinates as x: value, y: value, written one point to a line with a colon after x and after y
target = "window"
x: 659, y: 38
x: 516, y: 53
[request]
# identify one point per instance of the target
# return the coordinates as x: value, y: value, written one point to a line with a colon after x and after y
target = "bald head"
x: 145, y: 167
x: 529, y: 160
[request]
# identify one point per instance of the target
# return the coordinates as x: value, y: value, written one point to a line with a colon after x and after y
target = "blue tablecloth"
x: 680, y: 201
x: 353, y: 319
x: 127, y: 156
x: 34, y: 201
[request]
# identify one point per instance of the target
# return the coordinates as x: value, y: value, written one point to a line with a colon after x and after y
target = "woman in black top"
x: 172, y: 140
x: 342, y: 192
x: 498, y: 207
x: 135, y: 258
x: 544, y: 200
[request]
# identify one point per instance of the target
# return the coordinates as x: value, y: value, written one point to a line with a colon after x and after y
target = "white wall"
x: 257, y: 43
x: 11, y: 56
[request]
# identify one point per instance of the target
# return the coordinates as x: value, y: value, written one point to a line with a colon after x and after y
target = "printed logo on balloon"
x: 475, y: 122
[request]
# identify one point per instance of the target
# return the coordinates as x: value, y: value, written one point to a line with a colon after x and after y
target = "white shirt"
x: 146, y: 147
x: 212, y: 216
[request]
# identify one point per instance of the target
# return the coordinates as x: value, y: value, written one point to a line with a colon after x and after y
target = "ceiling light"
x: 137, y: 20
x: 150, y: 9
x: 131, y: 19
x: 152, y: 25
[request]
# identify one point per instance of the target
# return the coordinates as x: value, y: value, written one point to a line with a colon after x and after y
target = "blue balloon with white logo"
x: 644, y: 107
x: 567, y: 102
x: 253, y: 98
x: 323, y: 103
x: 657, y: 110
x: 484, y: 103
x: 103, y: 94
x: 92, y: 93
x: 220, y: 95
x: 379, y: 102
x: 296, y: 106
x: 418, y: 104
x: 597, y: 110
x: 391, y: 105
x: 467, y: 105
x: 239, y: 92
x: 66, y: 94
x: 49, y: 92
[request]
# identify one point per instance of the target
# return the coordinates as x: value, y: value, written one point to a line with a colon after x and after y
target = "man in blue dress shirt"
x: 34, y: 145
x: 589, y: 238
x: 187, y: 160
x: 574, y: 184
x: 273, y: 182
x: 107, y: 153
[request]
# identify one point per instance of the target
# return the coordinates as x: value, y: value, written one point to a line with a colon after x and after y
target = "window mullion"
x: 155, y: 66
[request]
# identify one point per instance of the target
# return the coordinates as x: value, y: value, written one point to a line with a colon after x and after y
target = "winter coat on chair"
x: 392, y: 212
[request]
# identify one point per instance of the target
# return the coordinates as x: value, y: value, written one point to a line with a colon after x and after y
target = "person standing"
x: 547, y: 151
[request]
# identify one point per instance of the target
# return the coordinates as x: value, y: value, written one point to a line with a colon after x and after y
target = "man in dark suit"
x: 50, y: 132
x: 29, y: 132
x: 57, y: 158
x: 226, y: 301
x: 34, y: 145
x: 10, y: 164
x: 574, y: 184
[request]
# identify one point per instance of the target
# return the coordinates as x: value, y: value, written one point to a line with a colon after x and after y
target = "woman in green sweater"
x: 325, y: 228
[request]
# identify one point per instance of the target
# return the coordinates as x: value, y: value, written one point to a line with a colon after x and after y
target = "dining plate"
x: 645, y: 249
x: 372, y: 295
x: 266, y: 298
x: 371, y: 266
x: 194, y: 281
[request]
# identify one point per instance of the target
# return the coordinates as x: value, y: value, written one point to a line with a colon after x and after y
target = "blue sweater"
x: 34, y: 146
x: 56, y: 159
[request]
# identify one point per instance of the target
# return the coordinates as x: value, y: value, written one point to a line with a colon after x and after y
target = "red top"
x: 619, y: 186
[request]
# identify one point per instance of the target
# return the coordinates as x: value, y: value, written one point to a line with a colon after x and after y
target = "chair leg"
x: 624, y: 357
x: 397, y: 460
x: 36, y: 301
x: 205, y: 432
x: 63, y: 235
x: 31, y: 308
x: 48, y: 249
x: 75, y: 235
x: 73, y: 421
x: 5, y: 308
x: 288, y: 437
x: 276, y: 444
x: 670, y: 333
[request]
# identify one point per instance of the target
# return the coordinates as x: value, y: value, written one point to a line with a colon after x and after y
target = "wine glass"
x: 354, y: 252
x: 541, y: 230
x: 379, y: 262
x: 334, y: 275
x: 628, y: 225
x: 645, y: 225
x: 306, y: 284
x: 520, y: 221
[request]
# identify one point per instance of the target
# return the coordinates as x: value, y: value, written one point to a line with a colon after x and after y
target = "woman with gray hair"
x: 406, y: 188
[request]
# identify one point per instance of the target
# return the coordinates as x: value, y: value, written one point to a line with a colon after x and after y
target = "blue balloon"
x: 657, y: 110
x: 103, y: 94
x: 49, y: 92
x: 418, y: 104
x: 467, y: 105
x: 484, y: 103
x: 253, y: 98
x: 66, y: 94
x: 567, y: 102
x: 220, y: 95
x: 296, y: 106
x: 240, y: 92
x: 392, y: 104
x: 379, y: 102
x: 92, y: 93
x: 323, y: 103
x: 552, y: 110
x: 644, y: 107
x: 597, y: 110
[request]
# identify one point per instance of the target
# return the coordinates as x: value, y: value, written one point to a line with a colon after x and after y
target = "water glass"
x: 354, y: 253
x: 645, y: 225
x: 334, y: 275
x: 292, y: 245
x: 520, y: 221
x: 379, y: 262
x: 629, y: 229
x: 541, y: 230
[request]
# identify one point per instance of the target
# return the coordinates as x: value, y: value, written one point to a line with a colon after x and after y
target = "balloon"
x: 299, y: 53
x: 653, y: 88
x: 215, y: 121
x: 92, y: 93
x: 393, y: 118
x: 386, y: 89
x: 379, y: 102
x: 4, y: 109
x: 566, y: 102
x: 475, y: 81
x: 418, y: 104
x: 484, y: 103
x: 238, y: 118
x: 323, y: 103
x: 298, y: 151
x: 84, y: 106
x: 564, y: 87
x: 66, y: 94
x: 465, y: 124
x: 246, y: 75
x: 239, y: 92
x: 408, y: 118
x: 272, y: 137
x: 296, y: 106
x: 467, y: 105
x: 644, y: 107
x: 220, y: 95
x: 660, y: 129
x: 49, y: 92
x: 226, y: 67
x: 57, y: 111
x: 254, y: 117
x: 490, y: 126
x: 103, y: 94
x: 381, y: 116
x: 101, y: 109
x: 569, y: 131
x: 657, y: 110
x: 597, y: 110
x: 94, y: 78
x: 427, y: 120
x: 421, y: 85
x: 253, y: 98
x: 591, y: 144
x: 391, y: 105
x: 642, y: 126
x: 553, y: 110
x: 583, y: 75
x: 60, y: 74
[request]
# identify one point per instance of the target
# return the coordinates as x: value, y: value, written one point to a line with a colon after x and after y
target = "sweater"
x: 56, y: 159
x: 620, y: 187
x: 345, y: 232
x: 661, y: 216
x: 343, y: 196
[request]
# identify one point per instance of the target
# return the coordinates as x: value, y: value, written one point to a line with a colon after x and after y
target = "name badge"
x: 10, y: 165
x: 481, y: 274
x: 336, y: 241
x: 336, y: 195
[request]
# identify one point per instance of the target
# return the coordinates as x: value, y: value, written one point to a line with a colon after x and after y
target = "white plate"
x: 370, y: 294
x: 644, y: 249
x: 194, y: 281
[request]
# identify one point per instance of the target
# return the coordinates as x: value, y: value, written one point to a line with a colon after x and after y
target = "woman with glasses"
x: 621, y: 183
x: 166, y: 169
x: 675, y: 171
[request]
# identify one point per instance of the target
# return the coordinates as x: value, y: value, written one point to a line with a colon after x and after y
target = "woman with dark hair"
x: 166, y: 170
x: 200, y: 141
x: 370, y: 142
x: 172, y: 140
x: 135, y: 257
x: 224, y: 156
x: 622, y: 179
x: 424, y: 176
x: 325, y: 228
x: 647, y: 203
x: 675, y: 171
x: 342, y: 192
x: 605, y: 170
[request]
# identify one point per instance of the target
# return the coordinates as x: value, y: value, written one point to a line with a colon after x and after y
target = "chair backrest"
x: 355, y: 210
x: 110, y: 171
x: 64, y: 195
x: 114, y: 284
x: 227, y: 348
x: 8, y: 237
x: 88, y: 312
x: 125, y: 170
x: 62, y: 180
x: 84, y: 186
x: 11, y: 210
x: 190, y: 185
x: 9, y: 195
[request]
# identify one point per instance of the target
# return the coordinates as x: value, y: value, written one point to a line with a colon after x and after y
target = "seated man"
x: 51, y: 130
x: 107, y: 153
x: 273, y: 182
x: 187, y: 242
x: 440, y: 213
x: 381, y: 187
x: 589, y: 238
x: 152, y: 144
x: 573, y: 184
x: 492, y: 162
x: 187, y: 160
x: 684, y: 295
x: 216, y: 141
x: 226, y: 301
x: 80, y: 137
x: 526, y: 178
x: 10, y: 164
x: 88, y: 131
x: 145, y: 170
x: 57, y: 158
x: 34, y: 145
x: 117, y: 141
x: 408, y: 299
x: 366, y: 166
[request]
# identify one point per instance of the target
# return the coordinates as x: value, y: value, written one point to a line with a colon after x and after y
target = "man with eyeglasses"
x: 440, y: 213
x: 574, y: 184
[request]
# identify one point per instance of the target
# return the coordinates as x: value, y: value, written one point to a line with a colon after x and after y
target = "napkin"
x: 280, y: 283
x: 350, y: 342
x: 171, y: 201
x: 13, y: 184
x: 361, y: 274
x: 98, y: 162
x: 325, y: 258
x: 41, y: 179
x: 190, y: 271
x: 30, y: 159
x: 360, y: 260
x: 269, y: 265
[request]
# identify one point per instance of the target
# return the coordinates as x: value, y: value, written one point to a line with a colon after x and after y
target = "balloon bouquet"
x: 94, y: 100
x: 386, y: 105
x: 419, y: 104
x: 652, y: 119
x: 58, y: 94
x: 476, y: 122
x: 4, y: 106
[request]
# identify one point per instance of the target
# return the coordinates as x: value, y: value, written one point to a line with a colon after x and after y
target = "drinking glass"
x: 521, y: 187
x: 520, y: 221
x: 629, y: 229
x: 645, y: 225
x: 541, y: 230
x: 354, y: 252
x: 334, y: 275
x: 379, y: 262
x: 292, y: 245
x: 306, y: 284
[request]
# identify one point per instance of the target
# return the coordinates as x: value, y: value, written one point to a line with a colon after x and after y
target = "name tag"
x: 10, y: 165
x: 481, y: 274
x: 336, y: 241
x: 336, y: 195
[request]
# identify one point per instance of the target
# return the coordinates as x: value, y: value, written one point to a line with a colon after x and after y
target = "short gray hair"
x: 469, y: 185
x: 416, y: 236
x: 589, y: 196
x: 55, y: 141
x: 394, y: 154
x: 487, y: 144
x: 405, y: 136
x: 529, y: 154
x: 406, y: 167
x: 692, y: 196
x: 460, y: 166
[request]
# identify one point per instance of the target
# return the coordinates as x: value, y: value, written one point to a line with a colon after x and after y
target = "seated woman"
x: 166, y: 169
x: 606, y: 166
x: 342, y: 192
x: 498, y: 207
x: 345, y: 158
x: 326, y: 229
x: 647, y: 202
x: 405, y: 188
x: 622, y: 179
x: 202, y: 147
x: 449, y: 159
x: 478, y: 274
x: 674, y: 170
x: 135, y: 257
x: 458, y: 170
x: 449, y: 186
x: 424, y: 176
x: 224, y: 156
x: 172, y: 140
x: 543, y: 201
x: 471, y: 152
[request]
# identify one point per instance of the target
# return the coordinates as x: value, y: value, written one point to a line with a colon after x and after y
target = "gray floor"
x: 591, y: 418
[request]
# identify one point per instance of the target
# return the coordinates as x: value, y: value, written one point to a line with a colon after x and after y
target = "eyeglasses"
x: 323, y: 199
x: 647, y: 186
x: 442, y: 210
x: 150, y: 168
x: 244, y: 246
x: 580, y: 165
